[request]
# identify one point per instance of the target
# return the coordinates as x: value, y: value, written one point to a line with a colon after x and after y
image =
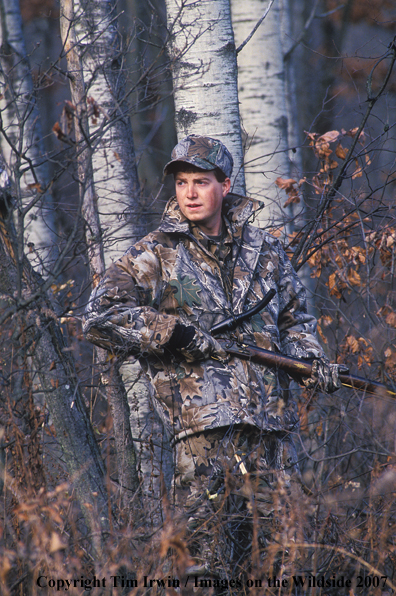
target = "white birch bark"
x: 122, y: 217
x: 22, y: 143
x: 115, y: 390
x: 202, y: 51
x: 265, y: 106
x: 115, y: 174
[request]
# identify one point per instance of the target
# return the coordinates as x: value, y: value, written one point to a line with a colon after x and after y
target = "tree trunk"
x: 147, y: 61
x: 204, y: 71
x: 22, y: 143
x: 116, y: 181
x: 265, y: 108
x: 118, y: 191
x: 116, y: 188
x: 45, y: 345
x: 111, y: 379
x: 154, y: 453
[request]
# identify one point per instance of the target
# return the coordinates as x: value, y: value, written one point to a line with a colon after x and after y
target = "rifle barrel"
x: 294, y: 366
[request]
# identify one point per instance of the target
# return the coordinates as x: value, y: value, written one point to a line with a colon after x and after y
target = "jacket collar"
x: 247, y: 239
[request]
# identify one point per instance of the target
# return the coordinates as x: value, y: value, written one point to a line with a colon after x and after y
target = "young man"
x: 229, y: 419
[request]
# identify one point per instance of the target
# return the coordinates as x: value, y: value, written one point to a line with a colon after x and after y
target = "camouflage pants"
x: 232, y: 487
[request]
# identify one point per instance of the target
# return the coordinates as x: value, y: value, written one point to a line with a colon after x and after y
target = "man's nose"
x: 191, y: 190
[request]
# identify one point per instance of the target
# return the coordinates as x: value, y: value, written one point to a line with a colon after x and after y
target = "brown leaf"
x: 358, y: 173
x: 56, y: 543
x: 57, y: 130
x: 341, y: 151
x: 289, y: 186
x: 311, y: 135
x: 326, y: 320
x: 35, y: 186
x: 321, y: 334
x: 352, y: 132
x: 293, y: 198
x: 352, y: 343
x: 334, y: 291
x: 354, y: 277
x: 329, y: 137
x: 384, y: 311
x: 94, y: 106
x: 391, y: 319
x: 5, y: 567
x: 70, y: 107
x: 285, y: 183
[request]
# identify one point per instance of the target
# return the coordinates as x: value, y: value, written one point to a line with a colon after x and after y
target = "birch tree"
x: 108, y: 178
x: 40, y: 338
x: 262, y: 34
x: 114, y: 165
x: 111, y: 379
x: 204, y: 72
x: 40, y: 352
x: 21, y: 142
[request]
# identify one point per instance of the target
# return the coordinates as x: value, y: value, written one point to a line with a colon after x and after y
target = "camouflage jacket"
x: 172, y: 275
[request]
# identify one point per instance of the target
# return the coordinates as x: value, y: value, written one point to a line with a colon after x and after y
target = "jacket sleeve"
x: 297, y: 328
x: 121, y: 315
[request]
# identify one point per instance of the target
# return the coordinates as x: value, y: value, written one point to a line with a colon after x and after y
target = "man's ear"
x: 226, y: 187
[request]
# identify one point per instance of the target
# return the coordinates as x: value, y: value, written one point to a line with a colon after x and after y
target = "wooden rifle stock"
x: 300, y: 368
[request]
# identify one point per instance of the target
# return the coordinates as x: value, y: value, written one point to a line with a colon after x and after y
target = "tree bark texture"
x: 154, y: 455
x: 110, y: 376
x: 122, y: 216
x: 45, y: 345
x: 265, y: 113
x: 121, y: 211
x: 125, y: 450
x: 93, y: 74
x: 83, y: 146
x: 22, y: 143
x: 204, y: 71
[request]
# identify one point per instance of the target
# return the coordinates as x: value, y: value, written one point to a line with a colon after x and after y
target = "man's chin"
x: 195, y: 217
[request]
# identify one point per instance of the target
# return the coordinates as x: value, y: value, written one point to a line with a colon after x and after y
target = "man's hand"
x: 325, y: 376
x: 194, y: 344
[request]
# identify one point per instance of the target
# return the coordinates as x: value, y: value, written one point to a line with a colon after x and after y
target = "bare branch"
x: 249, y: 37
x: 303, y: 32
x: 303, y: 247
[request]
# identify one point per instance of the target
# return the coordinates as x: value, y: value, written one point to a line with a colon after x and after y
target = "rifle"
x: 293, y: 366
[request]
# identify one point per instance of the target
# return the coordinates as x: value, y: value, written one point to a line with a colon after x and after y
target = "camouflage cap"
x: 203, y: 152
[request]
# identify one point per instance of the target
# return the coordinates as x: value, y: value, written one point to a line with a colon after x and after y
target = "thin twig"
x: 249, y: 37
x: 304, y: 245
x: 303, y: 32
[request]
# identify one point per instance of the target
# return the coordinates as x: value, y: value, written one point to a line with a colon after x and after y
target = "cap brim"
x: 169, y: 169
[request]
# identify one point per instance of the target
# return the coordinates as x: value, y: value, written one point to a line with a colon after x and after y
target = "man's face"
x: 200, y: 197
